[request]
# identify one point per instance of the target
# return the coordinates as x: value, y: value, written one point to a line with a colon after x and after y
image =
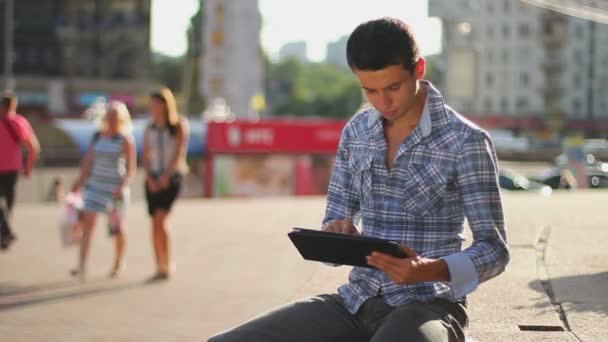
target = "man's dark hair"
x: 380, y: 43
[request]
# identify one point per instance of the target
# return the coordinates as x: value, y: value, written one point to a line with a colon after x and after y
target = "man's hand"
x: 410, y: 270
x: 342, y: 227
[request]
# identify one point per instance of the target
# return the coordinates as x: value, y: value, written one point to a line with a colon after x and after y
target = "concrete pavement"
x: 234, y: 261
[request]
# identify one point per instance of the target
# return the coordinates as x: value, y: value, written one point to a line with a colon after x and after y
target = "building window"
x: 487, y: 105
x: 579, y: 31
x: 576, y: 107
x: 490, y: 32
x: 489, y: 79
x: 505, y: 31
x: 577, y: 81
x: 507, y: 5
x: 504, y: 105
x: 490, y: 56
x: 524, y: 78
x: 524, y: 55
x: 524, y: 30
x: 505, y: 56
x: 490, y: 7
x: 523, y: 105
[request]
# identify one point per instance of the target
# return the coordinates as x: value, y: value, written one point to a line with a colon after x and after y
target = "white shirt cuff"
x: 463, y: 275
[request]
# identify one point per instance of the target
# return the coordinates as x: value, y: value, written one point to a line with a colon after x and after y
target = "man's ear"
x: 420, y: 68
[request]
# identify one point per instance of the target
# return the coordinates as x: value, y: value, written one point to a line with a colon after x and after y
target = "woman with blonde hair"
x: 165, y: 145
x: 106, y: 171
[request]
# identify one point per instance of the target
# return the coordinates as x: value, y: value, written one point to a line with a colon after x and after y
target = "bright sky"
x: 321, y: 21
x: 169, y: 25
x: 317, y: 22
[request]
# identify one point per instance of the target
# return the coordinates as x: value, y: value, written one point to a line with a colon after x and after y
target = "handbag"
x: 69, y: 227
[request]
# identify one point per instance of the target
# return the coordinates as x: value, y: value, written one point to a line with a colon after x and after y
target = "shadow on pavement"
x: 11, y: 289
x: 54, y: 292
x: 588, y: 292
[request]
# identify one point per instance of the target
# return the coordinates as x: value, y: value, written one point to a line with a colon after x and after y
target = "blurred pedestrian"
x: 55, y: 191
x: 15, y: 133
x: 165, y: 145
x: 106, y: 171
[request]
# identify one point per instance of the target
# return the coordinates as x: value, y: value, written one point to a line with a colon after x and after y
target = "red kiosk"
x: 270, y: 157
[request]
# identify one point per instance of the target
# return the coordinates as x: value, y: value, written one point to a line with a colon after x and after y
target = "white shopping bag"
x: 70, y: 236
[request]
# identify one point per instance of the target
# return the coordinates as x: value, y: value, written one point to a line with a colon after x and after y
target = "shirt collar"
x: 426, y: 123
x: 426, y: 119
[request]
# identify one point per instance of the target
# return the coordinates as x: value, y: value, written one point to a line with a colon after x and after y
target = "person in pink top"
x: 15, y: 132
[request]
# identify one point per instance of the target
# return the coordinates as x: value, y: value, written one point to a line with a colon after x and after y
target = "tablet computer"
x: 341, y: 249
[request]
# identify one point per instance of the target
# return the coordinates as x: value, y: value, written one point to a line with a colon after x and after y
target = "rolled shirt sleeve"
x: 342, y: 195
x: 477, y: 179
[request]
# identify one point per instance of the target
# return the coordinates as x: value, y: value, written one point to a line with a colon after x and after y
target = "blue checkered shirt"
x: 443, y: 172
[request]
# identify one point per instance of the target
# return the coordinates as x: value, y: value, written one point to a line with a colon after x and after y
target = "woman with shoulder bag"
x: 106, y: 171
x: 165, y: 145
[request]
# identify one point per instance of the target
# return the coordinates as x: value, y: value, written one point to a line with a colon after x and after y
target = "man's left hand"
x: 411, y: 269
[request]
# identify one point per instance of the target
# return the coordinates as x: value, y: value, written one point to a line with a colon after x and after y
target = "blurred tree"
x: 168, y: 70
x: 194, y: 102
x: 433, y: 70
x: 314, y: 89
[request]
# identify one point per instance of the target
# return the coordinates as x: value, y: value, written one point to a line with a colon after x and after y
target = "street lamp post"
x: 9, y: 10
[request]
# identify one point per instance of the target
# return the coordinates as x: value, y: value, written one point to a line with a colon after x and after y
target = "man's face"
x: 392, y: 90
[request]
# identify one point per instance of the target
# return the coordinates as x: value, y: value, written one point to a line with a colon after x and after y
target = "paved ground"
x: 234, y: 261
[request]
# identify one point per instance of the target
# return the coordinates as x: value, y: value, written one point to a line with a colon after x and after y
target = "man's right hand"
x: 342, y: 227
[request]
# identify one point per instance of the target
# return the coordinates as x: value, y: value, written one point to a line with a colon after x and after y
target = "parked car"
x: 510, y: 180
x: 597, y: 176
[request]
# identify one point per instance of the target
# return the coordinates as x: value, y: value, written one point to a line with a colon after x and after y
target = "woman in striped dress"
x: 107, y: 169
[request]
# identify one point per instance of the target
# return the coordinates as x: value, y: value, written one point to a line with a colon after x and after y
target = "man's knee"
x: 227, y: 336
x: 217, y: 338
x: 413, y: 323
x: 414, y: 332
x: 431, y: 331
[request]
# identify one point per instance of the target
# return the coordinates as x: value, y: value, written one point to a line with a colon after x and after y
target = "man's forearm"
x: 432, y: 269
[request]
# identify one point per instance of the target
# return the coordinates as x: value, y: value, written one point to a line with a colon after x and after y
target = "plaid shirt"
x: 444, y: 171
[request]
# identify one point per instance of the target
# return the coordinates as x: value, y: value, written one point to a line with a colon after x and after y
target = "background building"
x: 336, y: 52
x: 68, y: 52
x: 536, y: 67
x: 297, y: 50
x: 232, y: 65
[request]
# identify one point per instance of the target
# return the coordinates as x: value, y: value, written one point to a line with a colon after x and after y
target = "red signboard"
x: 588, y: 124
x: 274, y: 136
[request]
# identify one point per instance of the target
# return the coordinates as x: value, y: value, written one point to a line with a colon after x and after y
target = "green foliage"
x: 168, y: 70
x: 314, y: 89
x: 433, y: 72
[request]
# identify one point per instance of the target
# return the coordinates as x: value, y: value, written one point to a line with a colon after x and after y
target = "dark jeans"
x: 325, y: 319
x: 8, y: 180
